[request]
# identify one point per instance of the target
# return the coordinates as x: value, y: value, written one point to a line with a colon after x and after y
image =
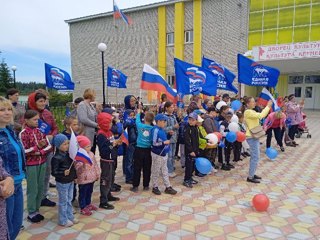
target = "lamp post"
x: 14, y: 69
x: 102, y: 48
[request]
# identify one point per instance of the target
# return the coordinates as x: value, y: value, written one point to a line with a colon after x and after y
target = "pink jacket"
x: 294, y: 113
x: 270, y: 119
x: 86, y: 173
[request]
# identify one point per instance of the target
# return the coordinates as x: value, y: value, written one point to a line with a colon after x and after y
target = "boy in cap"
x: 159, y: 154
x: 191, y: 137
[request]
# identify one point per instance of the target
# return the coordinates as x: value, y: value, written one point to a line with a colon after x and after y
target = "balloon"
x: 260, y: 202
x: 271, y: 153
x: 234, y: 127
x: 218, y: 135
x: 213, y: 139
x: 203, y: 165
x: 231, y: 137
x: 241, y: 136
x: 220, y: 104
x: 222, y: 145
x: 235, y: 118
x: 236, y: 105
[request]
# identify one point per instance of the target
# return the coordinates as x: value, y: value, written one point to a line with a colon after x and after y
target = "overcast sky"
x: 34, y: 32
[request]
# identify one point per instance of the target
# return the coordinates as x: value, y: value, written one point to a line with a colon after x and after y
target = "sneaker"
x: 257, y: 177
x: 115, y: 189
x: 172, y: 175
x: 75, y: 221
x: 187, y: 184
x: 282, y: 149
x: 34, y: 219
x: 146, y: 188
x: 92, y: 207
x: 198, y: 174
x: 47, y: 203
x: 247, y: 154
x: 68, y: 224
x: 156, y: 191
x: 253, y: 180
x: 41, y: 217
x: 225, y: 167
x: 86, y: 211
x: 106, y: 206
x: 194, y: 181
x: 134, y: 189
x: 117, y: 185
x: 170, y: 190
x: 52, y: 185
x: 230, y: 165
x: 294, y: 143
x: 244, y: 154
x: 113, y: 199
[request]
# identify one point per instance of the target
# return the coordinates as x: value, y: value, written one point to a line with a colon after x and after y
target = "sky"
x: 34, y: 32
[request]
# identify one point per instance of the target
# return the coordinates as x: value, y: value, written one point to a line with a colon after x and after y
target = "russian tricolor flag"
x: 265, y: 96
x: 117, y: 13
x: 76, y: 153
x: 152, y: 80
x: 125, y: 138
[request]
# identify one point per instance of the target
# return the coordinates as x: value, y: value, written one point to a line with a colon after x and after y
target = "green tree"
x: 5, y: 77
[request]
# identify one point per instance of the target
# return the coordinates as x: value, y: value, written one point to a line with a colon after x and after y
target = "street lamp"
x: 102, y: 48
x: 14, y: 69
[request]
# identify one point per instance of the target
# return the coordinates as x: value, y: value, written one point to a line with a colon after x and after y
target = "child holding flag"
x: 159, y: 150
x: 87, y: 173
x: 36, y: 147
x: 64, y: 172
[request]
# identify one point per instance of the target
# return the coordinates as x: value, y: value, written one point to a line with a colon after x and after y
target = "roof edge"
x: 128, y: 10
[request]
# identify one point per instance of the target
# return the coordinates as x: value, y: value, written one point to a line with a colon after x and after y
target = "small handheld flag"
x: 116, y: 78
x: 76, y: 153
x: 44, y: 127
x: 265, y: 96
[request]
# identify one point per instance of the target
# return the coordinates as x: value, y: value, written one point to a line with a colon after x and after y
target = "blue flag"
x: 254, y: 74
x: 225, y: 76
x: 116, y: 78
x: 57, y: 78
x: 43, y: 126
x: 192, y: 79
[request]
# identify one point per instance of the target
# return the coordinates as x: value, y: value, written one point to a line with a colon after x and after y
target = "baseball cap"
x: 161, y: 117
x: 200, y: 119
x: 193, y: 115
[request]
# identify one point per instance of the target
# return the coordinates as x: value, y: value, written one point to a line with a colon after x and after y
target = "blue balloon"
x: 203, y: 165
x: 222, y: 145
x: 271, y: 153
x: 236, y: 105
x: 231, y: 137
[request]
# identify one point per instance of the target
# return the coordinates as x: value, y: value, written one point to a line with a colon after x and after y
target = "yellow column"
x: 282, y: 86
x: 179, y: 30
x: 197, y: 32
x: 162, y: 35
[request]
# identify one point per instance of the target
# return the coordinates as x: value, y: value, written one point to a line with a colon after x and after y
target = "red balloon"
x: 241, y: 136
x: 218, y: 135
x: 260, y: 202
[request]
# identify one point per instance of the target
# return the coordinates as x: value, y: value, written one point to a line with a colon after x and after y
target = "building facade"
x: 286, y: 34
x: 185, y: 29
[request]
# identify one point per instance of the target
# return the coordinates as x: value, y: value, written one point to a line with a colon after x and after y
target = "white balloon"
x: 213, y: 139
x: 220, y: 104
x: 233, y: 127
x: 235, y: 118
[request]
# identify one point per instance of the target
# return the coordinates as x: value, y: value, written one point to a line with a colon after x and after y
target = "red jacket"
x: 35, y: 155
x: 45, y: 114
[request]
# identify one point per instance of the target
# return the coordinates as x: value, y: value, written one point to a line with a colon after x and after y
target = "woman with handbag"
x: 253, y: 133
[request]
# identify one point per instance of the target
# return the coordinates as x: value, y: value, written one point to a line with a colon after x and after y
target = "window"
x: 170, y: 39
x: 188, y: 36
x: 297, y: 92
x: 295, y: 79
x: 308, y: 92
x: 171, y: 80
x: 313, y: 79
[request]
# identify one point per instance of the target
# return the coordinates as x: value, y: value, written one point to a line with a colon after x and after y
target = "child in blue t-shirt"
x: 159, y: 153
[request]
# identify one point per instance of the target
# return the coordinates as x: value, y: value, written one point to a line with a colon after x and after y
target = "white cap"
x: 200, y: 119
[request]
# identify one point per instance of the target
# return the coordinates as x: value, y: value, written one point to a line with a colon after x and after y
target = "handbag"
x: 257, y: 132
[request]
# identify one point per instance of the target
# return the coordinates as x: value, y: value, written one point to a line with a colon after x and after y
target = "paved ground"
x: 217, y: 208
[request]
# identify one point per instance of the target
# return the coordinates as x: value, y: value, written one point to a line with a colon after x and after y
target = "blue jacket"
x: 158, y: 137
x: 9, y: 154
x: 144, y: 133
x: 131, y: 127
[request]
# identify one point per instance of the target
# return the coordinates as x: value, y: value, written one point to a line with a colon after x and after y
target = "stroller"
x: 302, y: 128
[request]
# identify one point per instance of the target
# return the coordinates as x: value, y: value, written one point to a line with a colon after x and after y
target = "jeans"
x: 65, y: 192
x: 85, y: 194
x: 255, y: 155
x: 14, y: 208
x: 182, y: 155
x: 170, y: 163
x: 278, y: 135
x: 129, y: 162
